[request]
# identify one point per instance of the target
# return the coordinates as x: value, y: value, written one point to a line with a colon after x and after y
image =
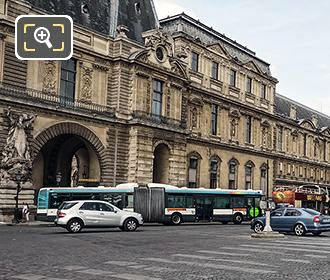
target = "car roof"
x: 73, y: 201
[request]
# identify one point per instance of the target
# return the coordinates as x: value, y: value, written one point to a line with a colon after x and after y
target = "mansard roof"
x: 283, y: 105
x: 105, y: 15
x: 207, y: 35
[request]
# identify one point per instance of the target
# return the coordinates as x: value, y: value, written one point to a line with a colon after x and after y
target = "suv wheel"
x: 238, y: 219
x: 299, y: 230
x: 130, y: 224
x: 258, y: 227
x: 74, y: 226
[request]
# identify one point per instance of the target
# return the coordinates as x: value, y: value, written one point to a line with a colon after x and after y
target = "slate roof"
x: 208, y: 35
x: 105, y: 15
x: 283, y: 105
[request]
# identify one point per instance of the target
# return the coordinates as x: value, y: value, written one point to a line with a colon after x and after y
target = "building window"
x: 232, y: 78
x: 305, y: 144
x: 68, y: 81
x: 215, y: 70
x: 214, y: 119
x: 248, y: 129
x: 157, y: 98
x: 249, y: 85
x: 248, y: 176
x: 280, y: 139
x: 263, y: 91
x: 194, y: 61
x: 193, y: 172
x: 214, y: 171
x: 233, y: 165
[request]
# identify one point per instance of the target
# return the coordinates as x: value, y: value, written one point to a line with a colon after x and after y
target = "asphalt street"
x: 212, y: 251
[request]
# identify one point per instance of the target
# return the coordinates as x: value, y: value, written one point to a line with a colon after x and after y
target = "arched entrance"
x: 66, y: 154
x: 161, y: 164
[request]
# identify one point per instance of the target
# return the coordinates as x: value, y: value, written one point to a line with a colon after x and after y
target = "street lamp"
x: 58, y: 178
x: 267, y: 228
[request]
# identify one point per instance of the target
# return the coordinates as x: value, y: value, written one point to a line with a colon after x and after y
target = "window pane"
x: 238, y: 201
x: 222, y: 202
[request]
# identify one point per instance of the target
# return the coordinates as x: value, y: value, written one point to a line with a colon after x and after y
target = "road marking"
x: 208, y: 265
x: 160, y: 269
x: 35, y: 277
x: 121, y: 263
x: 294, y: 245
x: 221, y: 260
x: 74, y: 267
x: 139, y: 266
x: 289, y: 249
x: 316, y: 256
x: 96, y: 272
x: 255, y: 250
x: 125, y: 276
x: 134, y: 277
x: 223, y: 253
x: 304, y: 243
x: 295, y: 260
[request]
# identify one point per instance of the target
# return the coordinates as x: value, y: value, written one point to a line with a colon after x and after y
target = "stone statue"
x: 17, y: 137
x: 233, y: 128
x: 16, y: 162
x: 74, y: 172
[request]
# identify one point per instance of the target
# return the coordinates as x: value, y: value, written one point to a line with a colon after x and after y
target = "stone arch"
x: 75, y: 129
x: 162, y: 142
x: 161, y: 162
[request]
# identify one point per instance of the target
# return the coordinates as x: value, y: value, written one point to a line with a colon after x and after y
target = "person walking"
x: 26, y: 212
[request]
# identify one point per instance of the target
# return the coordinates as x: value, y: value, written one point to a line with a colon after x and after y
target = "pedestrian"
x: 26, y: 212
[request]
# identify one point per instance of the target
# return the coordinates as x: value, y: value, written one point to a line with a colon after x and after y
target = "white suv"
x: 74, y: 215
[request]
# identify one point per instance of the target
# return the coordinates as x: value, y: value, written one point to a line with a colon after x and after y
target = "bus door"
x: 204, y: 208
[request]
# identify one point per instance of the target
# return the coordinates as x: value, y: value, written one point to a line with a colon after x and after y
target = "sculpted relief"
x: 16, y: 162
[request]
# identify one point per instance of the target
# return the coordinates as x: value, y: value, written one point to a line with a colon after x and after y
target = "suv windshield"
x: 67, y: 205
x: 312, y: 212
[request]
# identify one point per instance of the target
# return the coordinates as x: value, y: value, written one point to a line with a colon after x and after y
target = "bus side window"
x: 189, y: 201
x: 222, y: 202
x: 238, y: 201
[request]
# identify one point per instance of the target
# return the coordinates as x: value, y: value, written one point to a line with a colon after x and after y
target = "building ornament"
x: 16, y: 163
x: 49, y: 80
x: 86, y: 83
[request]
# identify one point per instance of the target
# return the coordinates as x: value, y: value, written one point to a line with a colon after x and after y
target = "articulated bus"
x: 161, y: 203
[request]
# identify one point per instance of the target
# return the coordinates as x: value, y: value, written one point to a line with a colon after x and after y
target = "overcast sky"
x: 292, y: 35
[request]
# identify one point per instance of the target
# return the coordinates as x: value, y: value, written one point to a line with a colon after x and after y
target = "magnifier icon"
x: 42, y: 35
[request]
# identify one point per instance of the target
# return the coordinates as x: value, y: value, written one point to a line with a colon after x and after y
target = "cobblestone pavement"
x: 212, y: 252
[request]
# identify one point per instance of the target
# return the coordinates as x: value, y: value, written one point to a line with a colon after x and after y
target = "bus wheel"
x: 224, y: 223
x: 74, y: 226
x: 176, y: 219
x: 238, y: 219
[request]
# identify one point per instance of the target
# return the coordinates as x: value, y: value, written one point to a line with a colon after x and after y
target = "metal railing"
x: 50, y: 99
x: 157, y: 119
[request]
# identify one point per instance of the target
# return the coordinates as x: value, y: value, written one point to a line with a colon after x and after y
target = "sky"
x: 291, y: 35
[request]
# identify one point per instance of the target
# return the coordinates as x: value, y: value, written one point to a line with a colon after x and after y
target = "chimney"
x: 293, y: 112
x: 315, y: 120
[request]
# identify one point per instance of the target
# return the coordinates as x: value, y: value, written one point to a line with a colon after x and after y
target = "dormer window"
x: 249, y: 85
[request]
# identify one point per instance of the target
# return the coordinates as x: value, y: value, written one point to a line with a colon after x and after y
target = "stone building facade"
x: 170, y: 101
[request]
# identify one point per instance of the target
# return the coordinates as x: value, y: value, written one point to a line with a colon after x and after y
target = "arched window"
x: 233, y: 173
x: 263, y: 178
x: 214, y: 172
x: 249, y: 175
x: 193, y: 169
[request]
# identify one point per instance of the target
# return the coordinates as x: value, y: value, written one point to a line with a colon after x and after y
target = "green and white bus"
x: 161, y: 203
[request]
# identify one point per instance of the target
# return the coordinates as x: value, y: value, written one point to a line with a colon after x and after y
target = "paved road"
x: 159, y: 252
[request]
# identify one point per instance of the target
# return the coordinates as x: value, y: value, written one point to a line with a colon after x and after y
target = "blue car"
x: 297, y: 220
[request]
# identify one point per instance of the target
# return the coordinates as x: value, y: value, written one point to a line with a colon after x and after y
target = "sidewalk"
x: 34, y: 223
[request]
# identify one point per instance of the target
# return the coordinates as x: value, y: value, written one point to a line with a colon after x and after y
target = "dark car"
x: 297, y: 220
